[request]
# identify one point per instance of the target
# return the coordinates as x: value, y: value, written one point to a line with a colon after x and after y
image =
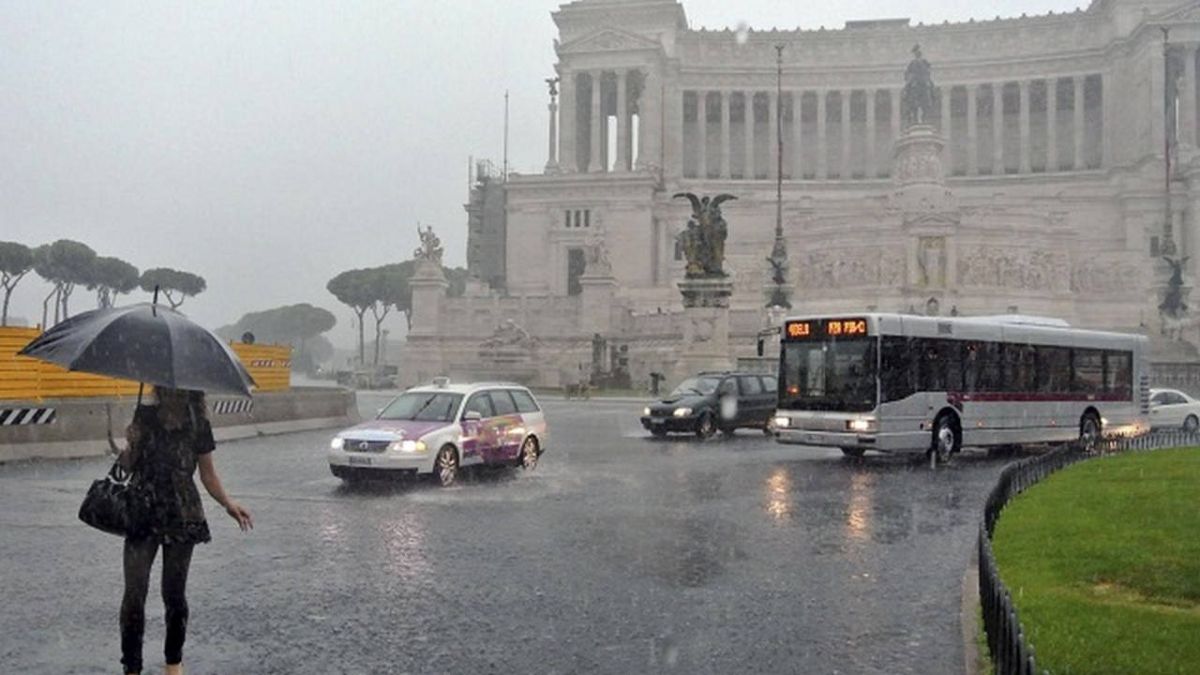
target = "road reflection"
x: 779, y: 494
x: 858, y: 514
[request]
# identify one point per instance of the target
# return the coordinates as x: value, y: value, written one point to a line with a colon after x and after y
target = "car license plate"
x: 658, y: 420
x: 360, y: 461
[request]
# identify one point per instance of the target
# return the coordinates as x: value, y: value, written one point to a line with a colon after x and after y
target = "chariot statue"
x: 703, y: 241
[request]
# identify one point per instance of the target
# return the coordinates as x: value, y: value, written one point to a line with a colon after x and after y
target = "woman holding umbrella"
x: 167, y: 443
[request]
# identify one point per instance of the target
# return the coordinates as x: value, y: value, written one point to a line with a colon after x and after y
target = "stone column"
x: 872, y: 164
x: 972, y: 130
x: 772, y: 134
x: 567, y: 129
x: 672, y: 137
x: 552, y: 150
x: 895, y: 96
x: 596, y: 301
x: 1052, y: 124
x: 846, y: 172
x: 1078, y: 123
x: 1187, y: 97
x: 594, y: 121
x: 422, y: 348
x: 748, y: 122
x: 650, y: 127
x: 622, y: 121
x: 1026, y: 165
x: 822, y: 138
x: 947, y: 92
x: 797, y: 135
x: 726, y: 104
x: 702, y: 141
x: 998, y: 128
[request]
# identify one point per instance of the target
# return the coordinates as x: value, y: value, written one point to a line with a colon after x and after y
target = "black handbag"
x: 114, y: 504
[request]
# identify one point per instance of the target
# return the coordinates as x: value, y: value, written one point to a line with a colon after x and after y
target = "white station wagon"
x: 439, y: 428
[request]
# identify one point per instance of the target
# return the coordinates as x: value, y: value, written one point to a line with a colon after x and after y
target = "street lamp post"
x: 778, y: 296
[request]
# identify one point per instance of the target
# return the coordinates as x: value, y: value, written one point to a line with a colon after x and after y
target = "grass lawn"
x: 1103, y: 561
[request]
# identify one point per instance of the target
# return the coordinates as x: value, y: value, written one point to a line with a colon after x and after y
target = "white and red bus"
x: 914, y: 384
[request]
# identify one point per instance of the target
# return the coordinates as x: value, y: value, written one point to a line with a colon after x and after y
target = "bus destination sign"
x: 820, y: 329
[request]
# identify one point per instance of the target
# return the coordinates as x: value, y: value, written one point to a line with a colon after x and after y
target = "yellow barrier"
x: 29, y: 379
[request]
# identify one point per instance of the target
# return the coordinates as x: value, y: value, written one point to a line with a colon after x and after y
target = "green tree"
x: 296, y: 325
x: 65, y: 264
x: 390, y: 290
x: 15, y: 262
x: 354, y: 289
x: 111, y: 277
x: 173, y: 284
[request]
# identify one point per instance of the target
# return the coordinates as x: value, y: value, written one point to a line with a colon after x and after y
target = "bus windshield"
x: 834, y: 375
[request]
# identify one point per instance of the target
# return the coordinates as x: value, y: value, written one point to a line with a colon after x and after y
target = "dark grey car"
x: 712, y: 402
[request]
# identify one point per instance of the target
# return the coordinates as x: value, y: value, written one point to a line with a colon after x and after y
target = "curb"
x: 967, y: 614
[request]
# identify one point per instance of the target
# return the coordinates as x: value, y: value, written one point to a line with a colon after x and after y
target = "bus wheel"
x: 1089, y: 432
x: 1191, y: 424
x: 945, y: 441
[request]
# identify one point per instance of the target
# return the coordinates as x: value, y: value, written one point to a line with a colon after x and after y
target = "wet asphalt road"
x: 618, y: 554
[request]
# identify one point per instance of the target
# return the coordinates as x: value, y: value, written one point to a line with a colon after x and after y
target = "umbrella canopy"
x: 147, y: 343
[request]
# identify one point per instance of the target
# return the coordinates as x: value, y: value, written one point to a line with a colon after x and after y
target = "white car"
x: 439, y: 428
x: 1173, y: 409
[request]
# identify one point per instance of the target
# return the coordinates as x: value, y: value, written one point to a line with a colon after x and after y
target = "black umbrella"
x: 147, y: 343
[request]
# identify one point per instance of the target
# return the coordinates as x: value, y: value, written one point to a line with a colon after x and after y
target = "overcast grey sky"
x: 268, y: 146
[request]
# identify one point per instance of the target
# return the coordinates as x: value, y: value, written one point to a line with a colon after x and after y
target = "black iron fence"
x: 1011, y: 651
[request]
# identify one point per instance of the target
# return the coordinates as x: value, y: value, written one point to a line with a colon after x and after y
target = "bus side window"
x: 933, y: 371
x: 951, y: 352
x: 1087, y: 370
x: 897, y: 378
x: 1054, y: 369
x: 1118, y: 376
x: 972, y: 365
x: 991, y: 376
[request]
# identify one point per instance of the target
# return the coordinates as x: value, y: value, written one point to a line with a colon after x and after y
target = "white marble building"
x: 1053, y: 202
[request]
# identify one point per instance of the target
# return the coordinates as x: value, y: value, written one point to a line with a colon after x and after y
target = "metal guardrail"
x: 1011, y: 650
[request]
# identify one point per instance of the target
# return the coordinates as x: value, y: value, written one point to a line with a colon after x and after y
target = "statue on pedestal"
x: 703, y: 241
x: 917, y: 99
x: 1173, y: 305
x: 431, y: 246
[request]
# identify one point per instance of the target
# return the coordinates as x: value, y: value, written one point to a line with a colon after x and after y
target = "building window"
x: 587, y: 217
x: 576, y: 263
x: 567, y: 218
x: 578, y: 215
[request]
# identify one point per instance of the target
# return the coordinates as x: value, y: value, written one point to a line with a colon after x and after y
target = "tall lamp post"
x: 778, y: 296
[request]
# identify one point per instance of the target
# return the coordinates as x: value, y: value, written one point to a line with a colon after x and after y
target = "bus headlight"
x: 782, y: 422
x: 860, y: 425
x: 337, y: 443
x: 682, y: 412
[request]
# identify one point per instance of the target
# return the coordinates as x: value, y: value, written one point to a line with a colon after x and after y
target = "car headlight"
x: 782, y: 422
x: 408, y: 446
x: 860, y: 425
x: 683, y: 412
x: 646, y: 411
x: 337, y: 443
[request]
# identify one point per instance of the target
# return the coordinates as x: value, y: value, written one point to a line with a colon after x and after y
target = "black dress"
x: 164, y: 465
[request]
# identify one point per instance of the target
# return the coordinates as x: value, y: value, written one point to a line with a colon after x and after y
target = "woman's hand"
x: 241, y: 515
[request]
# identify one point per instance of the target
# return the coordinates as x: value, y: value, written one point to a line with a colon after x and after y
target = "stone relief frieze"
x: 1099, y: 276
x: 853, y: 268
x: 1019, y: 269
x: 607, y: 40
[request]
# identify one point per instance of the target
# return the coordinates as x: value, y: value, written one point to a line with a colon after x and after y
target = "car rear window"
x: 525, y: 402
x: 502, y: 402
